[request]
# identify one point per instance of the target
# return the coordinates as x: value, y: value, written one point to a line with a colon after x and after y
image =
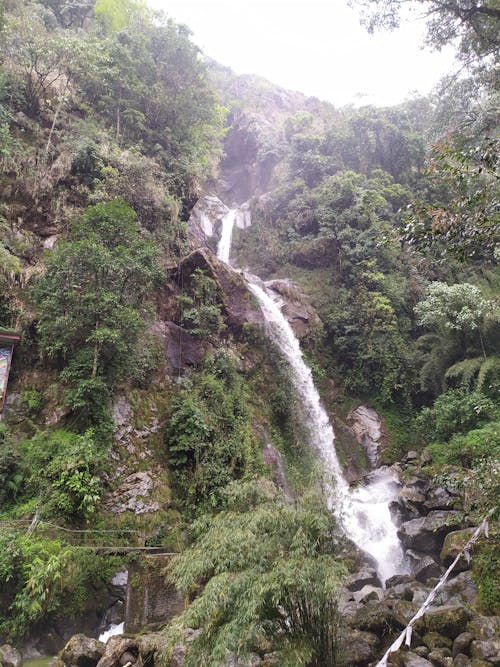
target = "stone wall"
x: 150, y: 599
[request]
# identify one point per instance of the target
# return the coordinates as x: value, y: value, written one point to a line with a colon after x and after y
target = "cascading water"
x: 364, y: 512
x: 224, y: 246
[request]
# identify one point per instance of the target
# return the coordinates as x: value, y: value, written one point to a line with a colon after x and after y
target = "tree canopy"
x: 474, y: 25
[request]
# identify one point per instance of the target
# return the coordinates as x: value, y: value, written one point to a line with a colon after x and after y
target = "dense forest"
x: 144, y: 391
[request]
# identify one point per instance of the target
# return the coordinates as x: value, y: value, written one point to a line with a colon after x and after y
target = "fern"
x: 474, y: 373
x: 463, y: 373
x: 489, y: 372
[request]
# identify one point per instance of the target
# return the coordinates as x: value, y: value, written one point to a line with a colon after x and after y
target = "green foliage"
x: 201, y: 309
x: 116, y: 14
x: 452, y: 308
x: 460, y: 318
x: 62, y: 470
x: 92, y: 302
x: 454, y: 412
x: 486, y: 573
x: 46, y: 580
x: 150, y: 85
x: 269, y: 574
x: 474, y: 26
x: 482, y: 374
x: 32, y: 401
x: 465, y: 223
x: 210, y: 435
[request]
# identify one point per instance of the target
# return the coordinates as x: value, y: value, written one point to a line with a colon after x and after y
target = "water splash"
x: 112, y: 631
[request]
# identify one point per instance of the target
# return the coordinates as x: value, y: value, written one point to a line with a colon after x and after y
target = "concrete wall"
x: 149, y: 599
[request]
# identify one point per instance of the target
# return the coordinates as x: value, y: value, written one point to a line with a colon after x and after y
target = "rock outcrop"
x: 367, y: 426
x: 133, y: 494
x: 237, y: 300
x: 10, y: 656
x: 295, y: 306
x: 81, y: 651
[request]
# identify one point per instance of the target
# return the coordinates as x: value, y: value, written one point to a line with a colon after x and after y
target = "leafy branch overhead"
x: 474, y: 25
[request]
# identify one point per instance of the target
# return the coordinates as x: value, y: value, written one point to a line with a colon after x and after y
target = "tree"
x: 461, y: 348
x: 116, y: 14
x: 270, y: 575
x: 92, y: 300
x: 70, y: 13
x: 456, y: 308
x: 467, y: 223
x: 473, y: 24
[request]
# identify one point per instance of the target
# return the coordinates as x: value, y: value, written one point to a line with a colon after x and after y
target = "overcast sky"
x: 314, y: 46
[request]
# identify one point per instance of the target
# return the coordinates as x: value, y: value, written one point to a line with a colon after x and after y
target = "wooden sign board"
x: 7, y: 343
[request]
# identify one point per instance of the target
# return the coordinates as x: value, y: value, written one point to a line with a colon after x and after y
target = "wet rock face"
x: 10, y: 657
x: 134, y: 495
x: 273, y: 458
x: 295, y: 306
x: 181, y: 348
x: 427, y: 533
x: 207, y: 212
x: 81, y: 651
x: 238, y: 304
x: 368, y: 429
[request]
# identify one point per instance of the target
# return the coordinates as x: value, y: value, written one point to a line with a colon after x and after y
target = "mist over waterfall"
x: 363, y: 512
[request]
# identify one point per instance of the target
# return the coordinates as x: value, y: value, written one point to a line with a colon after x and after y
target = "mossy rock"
x: 449, y: 620
x: 453, y: 544
x: 435, y: 640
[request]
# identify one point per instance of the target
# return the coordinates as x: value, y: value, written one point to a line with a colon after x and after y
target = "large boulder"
x: 441, y: 657
x: 359, y: 648
x: 423, y: 567
x: 236, y: 299
x: 427, y: 533
x: 10, y: 656
x: 120, y: 651
x: 81, y: 651
x: 453, y: 544
x: 486, y: 650
x: 408, y: 659
x: 439, y: 499
x: 485, y: 627
x: 368, y: 428
x: 461, y: 643
x: 182, y: 348
x: 367, y: 576
x: 379, y: 618
x: 368, y: 593
x: 458, y: 590
x: 295, y: 306
x: 449, y: 620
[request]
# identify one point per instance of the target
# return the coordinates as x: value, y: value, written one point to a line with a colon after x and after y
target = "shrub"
x: 453, y: 412
x: 271, y: 577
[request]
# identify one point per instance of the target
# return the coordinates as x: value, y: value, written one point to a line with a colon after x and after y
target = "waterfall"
x: 224, y: 246
x: 364, y: 512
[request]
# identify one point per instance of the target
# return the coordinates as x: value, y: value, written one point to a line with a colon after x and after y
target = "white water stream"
x: 363, y: 512
x: 224, y: 246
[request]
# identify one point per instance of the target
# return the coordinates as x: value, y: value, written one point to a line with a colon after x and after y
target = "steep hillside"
x: 148, y: 404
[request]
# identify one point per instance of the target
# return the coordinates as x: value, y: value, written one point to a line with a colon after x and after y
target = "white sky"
x: 314, y: 46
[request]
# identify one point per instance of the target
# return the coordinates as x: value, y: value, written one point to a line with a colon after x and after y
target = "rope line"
x: 405, y: 635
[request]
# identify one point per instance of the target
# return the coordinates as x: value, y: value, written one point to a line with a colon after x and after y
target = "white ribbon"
x: 407, y: 632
